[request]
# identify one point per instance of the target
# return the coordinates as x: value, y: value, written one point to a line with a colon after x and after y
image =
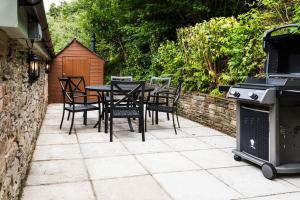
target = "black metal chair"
x: 131, y: 105
x: 74, y: 101
x: 159, y: 84
x: 77, y: 84
x: 172, y: 108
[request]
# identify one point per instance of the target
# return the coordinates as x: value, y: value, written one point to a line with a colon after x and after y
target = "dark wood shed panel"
x: 75, y: 59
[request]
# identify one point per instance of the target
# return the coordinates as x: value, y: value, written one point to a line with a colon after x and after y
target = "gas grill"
x: 268, y: 108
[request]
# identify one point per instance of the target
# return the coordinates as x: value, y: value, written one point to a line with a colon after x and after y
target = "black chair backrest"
x: 66, y: 89
x: 121, y: 78
x: 132, y: 93
x: 160, y: 83
x: 77, y: 83
x: 177, y: 93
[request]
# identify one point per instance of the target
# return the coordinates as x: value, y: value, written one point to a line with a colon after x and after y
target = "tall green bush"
x: 224, y: 50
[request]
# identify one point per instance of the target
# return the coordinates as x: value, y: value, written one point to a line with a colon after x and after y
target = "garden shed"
x: 74, y: 60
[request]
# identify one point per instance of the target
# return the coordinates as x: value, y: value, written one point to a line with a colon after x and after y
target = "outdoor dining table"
x: 106, y: 88
x: 102, y: 89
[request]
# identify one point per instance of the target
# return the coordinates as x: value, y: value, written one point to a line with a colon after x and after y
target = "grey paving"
x: 196, y: 164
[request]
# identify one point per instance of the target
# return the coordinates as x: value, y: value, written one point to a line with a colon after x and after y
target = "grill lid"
x: 283, y: 51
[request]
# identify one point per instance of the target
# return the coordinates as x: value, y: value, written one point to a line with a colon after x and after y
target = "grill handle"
x: 268, y: 33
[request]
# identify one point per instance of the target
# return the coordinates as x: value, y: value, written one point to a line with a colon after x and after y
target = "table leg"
x: 99, y: 121
x: 156, y: 112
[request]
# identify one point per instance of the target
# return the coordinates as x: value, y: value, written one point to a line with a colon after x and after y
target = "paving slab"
x: 113, y: 167
x: 228, y: 150
x: 294, y: 179
x: 286, y: 196
x: 65, y: 191
x: 167, y: 133
x: 212, y: 158
x: 93, y: 137
x: 249, y: 181
x: 130, y: 188
x: 85, y: 129
x: 224, y: 141
x: 184, y: 123
x: 166, y: 162
x: 184, y: 144
x: 201, y: 131
x: 56, y: 171
x: 57, y: 152
x: 129, y: 136
x: 91, y: 150
x: 195, y: 185
x: 60, y: 138
x: 149, y: 146
x: 53, y: 129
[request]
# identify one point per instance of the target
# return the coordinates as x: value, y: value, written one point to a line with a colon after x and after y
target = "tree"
x: 129, y: 32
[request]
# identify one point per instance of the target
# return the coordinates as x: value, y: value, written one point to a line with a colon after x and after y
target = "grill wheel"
x: 269, y: 171
x: 237, y: 158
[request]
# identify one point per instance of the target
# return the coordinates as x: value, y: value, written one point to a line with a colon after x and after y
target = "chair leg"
x: 174, y: 123
x: 73, y: 114
x: 139, y: 125
x: 168, y: 116
x: 149, y: 113
x: 177, y: 119
x: 68, y: 116
x: 142, y: 125
x: 105, y: 121
x: 130, y: 125
x: 153, y: 117
x: 111, y: 130
x: 62, y: 119
x: 85, y: 118
x: 99, y: 120
x: 145, y: 125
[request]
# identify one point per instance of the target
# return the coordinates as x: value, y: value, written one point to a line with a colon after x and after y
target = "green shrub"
x: 223, y: 50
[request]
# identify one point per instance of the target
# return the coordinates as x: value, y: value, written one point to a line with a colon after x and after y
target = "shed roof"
x: 75, y: 40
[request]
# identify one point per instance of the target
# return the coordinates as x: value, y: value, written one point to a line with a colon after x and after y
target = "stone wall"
x: 22, y: 108
x: 215, y: 112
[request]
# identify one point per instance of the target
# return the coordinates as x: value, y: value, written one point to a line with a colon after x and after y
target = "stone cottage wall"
x: 215, y: 112
x: 22, y: 108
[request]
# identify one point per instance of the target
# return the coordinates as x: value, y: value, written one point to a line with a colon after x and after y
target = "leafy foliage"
x: 66, y: 22
x: 227, y: 50
x: 129, y: 32
x: 205, y: 43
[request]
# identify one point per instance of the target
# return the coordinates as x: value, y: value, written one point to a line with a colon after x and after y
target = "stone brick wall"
x: 22, y: 108
x: 215, y: 112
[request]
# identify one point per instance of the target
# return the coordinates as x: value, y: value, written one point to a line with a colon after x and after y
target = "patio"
x: 195, y: 164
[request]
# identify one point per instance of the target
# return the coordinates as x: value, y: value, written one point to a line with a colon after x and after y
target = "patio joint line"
x: 86, y: 169
x: 61, y: 159
x: 56, y: 183
x: 161, y: 187
x: 208, y: 171
x: 281, y: 178
x: 268, y: 195
x: 43, y: 145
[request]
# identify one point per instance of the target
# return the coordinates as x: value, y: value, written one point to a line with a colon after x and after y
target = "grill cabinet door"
x: 254, y: 133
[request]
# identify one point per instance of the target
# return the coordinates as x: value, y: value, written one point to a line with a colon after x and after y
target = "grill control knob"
x: 252, y: 95
x: 234, y: 93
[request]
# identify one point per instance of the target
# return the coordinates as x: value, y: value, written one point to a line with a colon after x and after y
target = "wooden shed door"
x: 77, y: 66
